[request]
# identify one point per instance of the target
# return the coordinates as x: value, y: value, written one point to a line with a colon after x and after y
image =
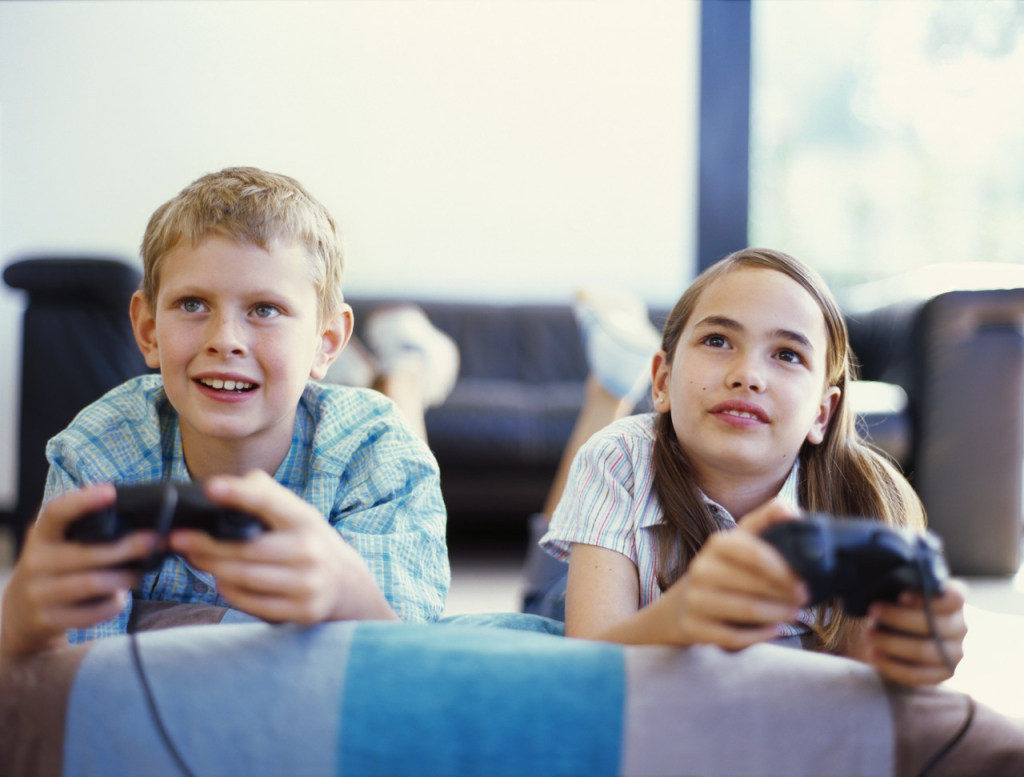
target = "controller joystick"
x: 859, y: 561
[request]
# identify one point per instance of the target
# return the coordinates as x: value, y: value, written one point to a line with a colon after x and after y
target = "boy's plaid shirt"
x: 352, y: 457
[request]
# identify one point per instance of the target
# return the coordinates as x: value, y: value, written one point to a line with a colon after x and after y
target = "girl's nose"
x: 745, y: 374
x: 225, y: 337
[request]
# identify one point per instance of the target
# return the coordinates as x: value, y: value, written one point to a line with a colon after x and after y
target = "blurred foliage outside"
x: 887, y: 135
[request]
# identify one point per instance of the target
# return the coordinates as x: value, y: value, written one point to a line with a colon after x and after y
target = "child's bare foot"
x: 408, y: 346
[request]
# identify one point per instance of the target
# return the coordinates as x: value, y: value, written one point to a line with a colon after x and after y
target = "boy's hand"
x: 58, y: 585
x: 301, y: 570
x: 738, y: 589
x: 896, y: 639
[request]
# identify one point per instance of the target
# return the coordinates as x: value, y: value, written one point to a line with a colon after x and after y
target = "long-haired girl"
x: 751, y: 421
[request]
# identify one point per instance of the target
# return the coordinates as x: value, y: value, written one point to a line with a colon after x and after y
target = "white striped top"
x: 609, y: 500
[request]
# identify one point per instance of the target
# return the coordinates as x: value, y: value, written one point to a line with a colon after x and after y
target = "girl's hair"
x: 841, y: 476
x: 251, y: 206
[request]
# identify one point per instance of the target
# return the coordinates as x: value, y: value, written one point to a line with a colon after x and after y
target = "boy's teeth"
x: 226, y: 385
x: 737, y: 413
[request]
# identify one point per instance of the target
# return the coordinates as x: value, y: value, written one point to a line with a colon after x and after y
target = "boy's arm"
x: 59, y: 585
x: 70, y: 471
x: 398, y: 527
x: 299, y: 571
x: 379, y: 492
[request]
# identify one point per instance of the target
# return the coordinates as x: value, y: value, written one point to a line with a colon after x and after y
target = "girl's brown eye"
x: 790, y: 356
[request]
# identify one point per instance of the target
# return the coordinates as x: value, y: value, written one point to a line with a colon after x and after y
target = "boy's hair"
x: 841, y: 476
x: 247, y: 205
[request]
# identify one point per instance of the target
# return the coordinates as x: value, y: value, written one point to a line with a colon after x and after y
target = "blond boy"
x: 241, y: 305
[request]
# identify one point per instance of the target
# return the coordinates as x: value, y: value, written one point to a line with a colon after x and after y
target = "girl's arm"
x: 602, y: 597
x: 736, y: 592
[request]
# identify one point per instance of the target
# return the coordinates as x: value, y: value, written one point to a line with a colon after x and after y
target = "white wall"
x: 484, y: 149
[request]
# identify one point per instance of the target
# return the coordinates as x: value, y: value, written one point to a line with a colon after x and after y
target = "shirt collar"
x: 788, y: 496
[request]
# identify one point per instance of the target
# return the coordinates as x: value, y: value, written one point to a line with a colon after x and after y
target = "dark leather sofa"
x: 499, y: 435
x: 952, y: 336
x: 956, y: 349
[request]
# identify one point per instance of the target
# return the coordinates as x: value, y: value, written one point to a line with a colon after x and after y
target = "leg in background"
x: 408, y: 359
x: 619, y: 341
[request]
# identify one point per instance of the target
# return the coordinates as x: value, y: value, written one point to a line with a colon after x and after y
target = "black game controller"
x: 859, y: 561
x: 162, y: 507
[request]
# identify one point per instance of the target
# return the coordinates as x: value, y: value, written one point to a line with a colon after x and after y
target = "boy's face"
x: 235, y: 333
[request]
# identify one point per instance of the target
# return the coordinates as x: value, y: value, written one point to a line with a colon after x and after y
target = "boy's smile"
x: 746, y: 386
x: 235, y: 333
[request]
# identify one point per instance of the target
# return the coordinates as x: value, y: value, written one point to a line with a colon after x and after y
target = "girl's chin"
x: 733, y: 463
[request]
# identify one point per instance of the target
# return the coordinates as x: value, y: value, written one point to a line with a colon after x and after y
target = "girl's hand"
x: 300, y: 571
x: 738, y: 589
x: 58, y: 585
x: 896, y: 639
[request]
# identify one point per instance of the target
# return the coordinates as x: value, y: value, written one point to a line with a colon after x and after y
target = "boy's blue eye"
x: 191, y: 305
x: 265, y: 311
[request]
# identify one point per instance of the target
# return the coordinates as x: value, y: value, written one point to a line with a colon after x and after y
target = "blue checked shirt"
x: 352, y: 457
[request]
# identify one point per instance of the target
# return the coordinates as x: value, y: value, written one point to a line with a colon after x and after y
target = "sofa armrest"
x: 959, y: 355
x: 77, y: 343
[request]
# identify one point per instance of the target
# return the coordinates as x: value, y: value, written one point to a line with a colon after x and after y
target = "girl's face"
x: 746, y: 384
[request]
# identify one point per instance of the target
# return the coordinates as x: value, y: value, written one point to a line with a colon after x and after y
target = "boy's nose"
x: 225, y: 337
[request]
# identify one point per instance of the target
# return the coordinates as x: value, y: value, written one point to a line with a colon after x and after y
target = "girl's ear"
x: 661, y: 380
x: 144, y: 327
x: 334, y: 338
x: 829, y: 403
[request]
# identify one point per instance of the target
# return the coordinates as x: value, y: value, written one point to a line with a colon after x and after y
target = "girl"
x: 750, y: 420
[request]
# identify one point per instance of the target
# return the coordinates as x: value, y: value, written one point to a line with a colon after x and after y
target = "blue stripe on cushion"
x: 451, y: 699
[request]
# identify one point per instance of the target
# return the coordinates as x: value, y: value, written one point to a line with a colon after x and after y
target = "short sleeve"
x: 386, y: 500
x: 398, y: 527
x: 599, y: 505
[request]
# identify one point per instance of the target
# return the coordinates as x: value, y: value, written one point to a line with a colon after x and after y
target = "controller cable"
x: 164, y: 522
x: 154, y: 713
x: 930, y: 616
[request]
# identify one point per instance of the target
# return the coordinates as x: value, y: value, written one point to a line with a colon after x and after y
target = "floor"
x: 486, y: 578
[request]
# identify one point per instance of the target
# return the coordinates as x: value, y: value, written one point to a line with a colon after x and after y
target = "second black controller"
x: 859, y: 561
x: 162, y: 507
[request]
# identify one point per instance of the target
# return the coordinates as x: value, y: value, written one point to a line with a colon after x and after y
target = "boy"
x: 240, y: 306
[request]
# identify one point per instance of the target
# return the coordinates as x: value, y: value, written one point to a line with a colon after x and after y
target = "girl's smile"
x: 738, y: 413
